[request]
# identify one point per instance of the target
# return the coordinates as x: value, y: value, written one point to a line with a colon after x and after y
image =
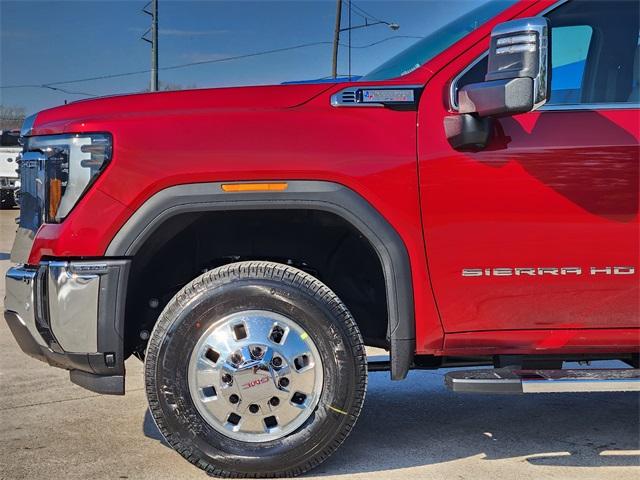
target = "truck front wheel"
x: 255, y: 369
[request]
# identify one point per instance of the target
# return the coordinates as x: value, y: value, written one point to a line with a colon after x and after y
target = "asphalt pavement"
x: 414, y: 429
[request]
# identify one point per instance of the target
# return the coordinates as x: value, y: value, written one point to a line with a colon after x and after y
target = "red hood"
x: 71, y: 117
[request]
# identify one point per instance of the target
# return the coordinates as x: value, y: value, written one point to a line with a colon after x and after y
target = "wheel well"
x: 318, y: 242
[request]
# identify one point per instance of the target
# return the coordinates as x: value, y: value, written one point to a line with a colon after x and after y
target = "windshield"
x: 427, y: 48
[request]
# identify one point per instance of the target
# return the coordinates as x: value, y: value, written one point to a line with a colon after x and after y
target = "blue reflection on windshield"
x: 424, y: 50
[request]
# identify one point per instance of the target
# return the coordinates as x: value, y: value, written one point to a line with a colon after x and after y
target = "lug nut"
x: 226, y: 378
x: 284, y: 382
x: 234, y: 398
x: 236, y: 358
x: 276, y: 362
x: 256, y: 352
x: 253, y: 408
x: 275, y: 401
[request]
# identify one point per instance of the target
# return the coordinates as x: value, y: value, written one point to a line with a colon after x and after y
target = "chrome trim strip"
x: 27, y: 125
x: 505, y: 380
x: 20, y: 299
x: 21, y: 274
x: 73, y: 305
x: 22, y: 244
x: 62, y: 300
x: 336, y: 98
x: 581, y: 385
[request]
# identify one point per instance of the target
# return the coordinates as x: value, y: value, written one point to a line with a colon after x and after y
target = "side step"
x: 379, y: 363
x: 504, y: 380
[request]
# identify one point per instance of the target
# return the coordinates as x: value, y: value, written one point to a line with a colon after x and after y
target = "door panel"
x: 540, y: 229
x: 554, y: 190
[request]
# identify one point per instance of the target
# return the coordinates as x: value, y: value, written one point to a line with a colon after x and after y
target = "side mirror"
x: 518, y: 73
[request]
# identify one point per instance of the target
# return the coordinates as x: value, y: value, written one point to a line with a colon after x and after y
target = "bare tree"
x: 11, y: 117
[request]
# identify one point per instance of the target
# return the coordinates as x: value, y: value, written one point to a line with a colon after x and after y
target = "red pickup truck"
x: 472, y: 201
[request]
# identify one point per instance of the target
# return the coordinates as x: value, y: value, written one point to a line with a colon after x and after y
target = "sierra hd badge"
x: 544, y: 271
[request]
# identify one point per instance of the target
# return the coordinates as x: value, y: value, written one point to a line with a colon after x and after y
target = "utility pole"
x: 336, y: 39
x: 349, y: 42
x: 154, y: 46
x: 153, y: 86
x: 338, y: 29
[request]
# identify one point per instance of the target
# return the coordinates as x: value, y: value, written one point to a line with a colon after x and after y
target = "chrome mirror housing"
x: 518, y: 73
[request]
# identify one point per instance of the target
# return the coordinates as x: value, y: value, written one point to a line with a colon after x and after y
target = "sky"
x: 52, y: 41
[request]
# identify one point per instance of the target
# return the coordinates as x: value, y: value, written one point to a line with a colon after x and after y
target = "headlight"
x: 72, y: 163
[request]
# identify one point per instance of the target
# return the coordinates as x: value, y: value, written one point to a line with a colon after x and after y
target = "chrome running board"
x: 504, y: 380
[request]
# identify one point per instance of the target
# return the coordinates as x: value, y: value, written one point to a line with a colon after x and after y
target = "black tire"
x: 267, y: 286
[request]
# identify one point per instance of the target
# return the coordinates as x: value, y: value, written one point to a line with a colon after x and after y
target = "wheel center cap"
x: 256, y: 383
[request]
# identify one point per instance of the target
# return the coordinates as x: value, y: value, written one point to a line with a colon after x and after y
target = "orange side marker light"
x: 255, y: 187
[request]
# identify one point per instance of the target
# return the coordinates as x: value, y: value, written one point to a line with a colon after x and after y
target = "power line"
x: 51, y: 85
x: 355, y: 9
x: 363, y: 13
x: 377, y: 42
x: 172, y: 67
x: 364, y: 17
x: 63, y: 90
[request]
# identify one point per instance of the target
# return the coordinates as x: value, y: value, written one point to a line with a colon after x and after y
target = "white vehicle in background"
x: 9, y: 181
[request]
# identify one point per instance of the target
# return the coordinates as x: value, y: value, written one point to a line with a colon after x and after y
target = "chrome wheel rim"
x: 255, y: 376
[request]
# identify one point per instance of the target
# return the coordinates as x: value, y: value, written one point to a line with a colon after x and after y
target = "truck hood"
x: 71, y: 117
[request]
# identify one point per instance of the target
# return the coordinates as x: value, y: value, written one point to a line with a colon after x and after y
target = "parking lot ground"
x: 414, y: 429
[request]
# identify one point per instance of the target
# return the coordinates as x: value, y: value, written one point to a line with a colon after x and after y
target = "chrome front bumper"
x: 20, y: 300
x: 71, y: 315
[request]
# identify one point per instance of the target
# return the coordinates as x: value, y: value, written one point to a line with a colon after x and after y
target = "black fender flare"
x: 299, y: 194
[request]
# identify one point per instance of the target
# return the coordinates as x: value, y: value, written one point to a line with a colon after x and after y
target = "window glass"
x: 594, y: 53
x: 568, y: 60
